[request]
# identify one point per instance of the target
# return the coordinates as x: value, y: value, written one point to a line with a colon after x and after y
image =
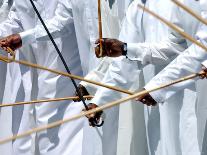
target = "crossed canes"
x: 132, y: 96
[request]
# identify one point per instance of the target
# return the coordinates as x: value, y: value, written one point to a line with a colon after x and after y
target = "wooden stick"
x: 43, y: 101
x: 4, y: 60
x: 25, y: 63
x: 190, y: 11
x: 11, y: 52
x: 100, y: 27
x: 104, y: 107
x: 174, y: 27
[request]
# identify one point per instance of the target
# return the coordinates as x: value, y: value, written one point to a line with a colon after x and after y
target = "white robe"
x: 188, y: 131
x: 86, y: 25
x: 4, y: 10
x: 50, y: 86
x: 163, y: 139
x: 8, y: 95
x: 134, y: 141
x: 174, y: 139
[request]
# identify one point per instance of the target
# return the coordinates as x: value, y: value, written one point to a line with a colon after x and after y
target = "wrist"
x: 124, y: 49
x: 17, y: 41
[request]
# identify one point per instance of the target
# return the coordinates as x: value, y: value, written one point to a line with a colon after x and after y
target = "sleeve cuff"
x: 96, y: 101
x: 89, y: 87
x: 28, y: 36
x: 133, y: 52
x: 156, y: 95
x: 101, y: 99
x: 204, y: 63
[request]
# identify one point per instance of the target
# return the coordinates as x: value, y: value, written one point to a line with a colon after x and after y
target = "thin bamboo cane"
x: 104, y: 107
x: 100, y: 27
x: 25, y: 63
x: 43, y: 101
x: 190, y: 11
x: 11, y: 53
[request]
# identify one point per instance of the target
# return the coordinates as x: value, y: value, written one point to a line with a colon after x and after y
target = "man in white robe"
x: 49, y: 85
x: 67, y: 13
x: 4, y: 10
x: 190, y: 61
x: 147, y: 53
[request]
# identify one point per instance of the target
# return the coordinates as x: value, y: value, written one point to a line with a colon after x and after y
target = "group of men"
x: 139, y: 52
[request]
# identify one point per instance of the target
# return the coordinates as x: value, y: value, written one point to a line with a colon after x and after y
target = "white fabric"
x: 7, y: 94
x: 97, y: 69
x: 160, y: 139
x: 86, y: 25
x: 50, y: 86
x: 67, y: 134
x: 162, y: 53
x: 187, y: 62
x: 10, y: 96
x: 117, y: 75
x: 183, y: 22
x: 4, y: 10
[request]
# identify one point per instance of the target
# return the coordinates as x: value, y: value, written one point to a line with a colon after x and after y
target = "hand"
x: 147, y: 99
x: 111, y: 48
x: 83, y: 91
x: 204, y: 69
x: 95, y: 116
x: 13, y: 41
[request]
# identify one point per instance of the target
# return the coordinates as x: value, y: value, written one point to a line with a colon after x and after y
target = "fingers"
x: 97, y: 48
x: 107, y: 47
x: 4, y: 44
x: 13, y: 41
x: 147, y: 100
x: 93, y: 118
x: 97, y: 51
x: 97, y: 41
x: 204, y: 72
x: 204, y: 68
x: 4, y: 48
x: 111, y: 48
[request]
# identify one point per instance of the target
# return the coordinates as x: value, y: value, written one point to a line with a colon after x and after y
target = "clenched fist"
x: 147, y: 100
x: 13, y: 41
x: 83, y: 92
x: 95, y: 116
x: 111, y: 48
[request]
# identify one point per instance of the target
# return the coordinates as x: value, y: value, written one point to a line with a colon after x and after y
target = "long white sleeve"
x: 149, y: 53
x: 58, y: 26
x: 185, y: 64
x: 96, y: 75
x: 120, y: 74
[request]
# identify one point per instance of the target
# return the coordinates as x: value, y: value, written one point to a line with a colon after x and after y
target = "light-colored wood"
x: 190, y: 11
x: 11, y: 53
x: 100, y: 27
x: 25, y: 63
x: 43, y: 101
x: 104, y: 107
x: 174, y: 27
x: 4, y: 60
